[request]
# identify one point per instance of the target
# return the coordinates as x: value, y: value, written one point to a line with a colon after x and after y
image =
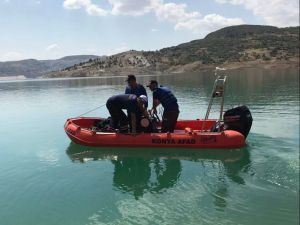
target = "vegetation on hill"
x: 236, y: 44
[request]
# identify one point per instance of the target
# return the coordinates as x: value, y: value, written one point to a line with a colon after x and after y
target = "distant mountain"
x: 234, y: 46
x: 32, y: 68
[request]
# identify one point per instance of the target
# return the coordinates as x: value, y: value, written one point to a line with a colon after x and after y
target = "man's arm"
x: 142, y: 108
x: 154, y: 105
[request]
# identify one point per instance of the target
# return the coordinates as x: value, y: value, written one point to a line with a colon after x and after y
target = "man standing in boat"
x: 136, y: 89
x: 135, y: 107
x: 163, y: 95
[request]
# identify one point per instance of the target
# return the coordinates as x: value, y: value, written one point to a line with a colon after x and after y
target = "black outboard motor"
x: 238, y: 119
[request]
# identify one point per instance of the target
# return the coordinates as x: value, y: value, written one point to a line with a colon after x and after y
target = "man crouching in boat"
x: 163, y: 95
x: 133, y: 104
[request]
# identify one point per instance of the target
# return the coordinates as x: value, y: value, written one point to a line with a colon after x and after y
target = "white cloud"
x: 11, y: 56
x: 208, y: 23
x: 233, y: 2
x: 95, y: 10
x: 174, y: 12
x: 170, y: 12
x: 131, y: 7
x: 53, y: 47
x: 89, y: 7
x: 154, y: 30
x: 192, y: 21
x: 164, y: 11
x: 280, y: 13
x: 75, y: 4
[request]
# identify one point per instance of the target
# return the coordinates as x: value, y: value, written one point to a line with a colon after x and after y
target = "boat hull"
x: 187, y: 135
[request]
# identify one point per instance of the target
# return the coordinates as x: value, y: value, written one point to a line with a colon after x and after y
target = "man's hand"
x: 153, y: 111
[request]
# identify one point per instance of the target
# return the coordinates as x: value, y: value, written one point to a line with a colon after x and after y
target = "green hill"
x: 236, y: 45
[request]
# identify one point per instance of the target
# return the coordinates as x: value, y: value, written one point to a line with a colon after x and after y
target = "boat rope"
x: 98, y: 107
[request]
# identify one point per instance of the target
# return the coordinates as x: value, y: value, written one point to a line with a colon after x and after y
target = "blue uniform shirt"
x: 166, y: 98
x: 124, y: 101
x: 138, y: 91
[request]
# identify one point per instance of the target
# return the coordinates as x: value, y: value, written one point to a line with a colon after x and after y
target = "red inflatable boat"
x: 229, y: 131
x: 186, y: 135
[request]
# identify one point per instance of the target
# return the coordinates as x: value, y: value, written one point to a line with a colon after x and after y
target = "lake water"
x: 46, y: 179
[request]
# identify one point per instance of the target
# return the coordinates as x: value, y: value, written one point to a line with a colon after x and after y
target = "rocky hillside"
x: 237, y: 45
x: 32, y: 68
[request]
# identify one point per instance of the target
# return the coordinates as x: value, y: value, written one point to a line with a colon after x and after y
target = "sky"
x: 51, y: 29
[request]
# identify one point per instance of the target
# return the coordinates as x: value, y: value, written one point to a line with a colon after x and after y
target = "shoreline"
x: 11, y: 78
x: 188, y: 68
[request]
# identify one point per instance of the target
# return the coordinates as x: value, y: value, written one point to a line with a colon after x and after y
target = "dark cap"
x: 130, y: 77
x: 152, y: 82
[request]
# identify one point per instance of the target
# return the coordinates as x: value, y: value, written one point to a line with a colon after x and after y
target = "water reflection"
x: 232, y: 170
x: 138, y: 175
x: 138, y: 171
